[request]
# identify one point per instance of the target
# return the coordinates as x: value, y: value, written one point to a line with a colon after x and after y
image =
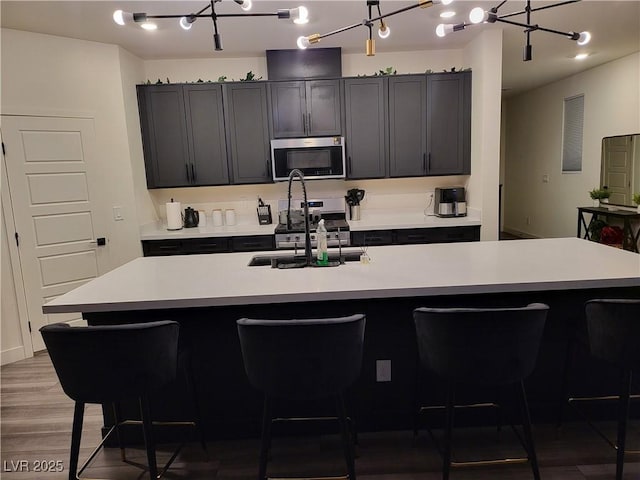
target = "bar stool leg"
x: 448, y: 433
x: 528, y: 436
x: 347, y: 444
x: 623, y: 416
x: 147, y: 428
x: 76, y: 435
x: 265, y: 441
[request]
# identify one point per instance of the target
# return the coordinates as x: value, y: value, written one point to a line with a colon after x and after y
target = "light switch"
x: 545, y: 178
x: 117, y: 213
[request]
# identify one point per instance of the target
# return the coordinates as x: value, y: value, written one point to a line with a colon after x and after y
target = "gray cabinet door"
x: 206, y: 134
x: 365, y: 127
x: 407, y: 126
x: 248, y: 132
x: 164, y: 135
x: 323, y: 100
x: 305, y: 108
x: 449, y: 123
x: 288, y: 109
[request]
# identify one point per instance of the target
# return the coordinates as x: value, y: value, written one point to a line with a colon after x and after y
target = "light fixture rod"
x: 513, y: 14
x: 533, y: 27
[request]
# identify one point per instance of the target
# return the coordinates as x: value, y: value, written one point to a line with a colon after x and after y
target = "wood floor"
x: 36, y: 429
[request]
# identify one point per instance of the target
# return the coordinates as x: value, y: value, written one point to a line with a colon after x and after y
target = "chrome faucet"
x: 307, y: 230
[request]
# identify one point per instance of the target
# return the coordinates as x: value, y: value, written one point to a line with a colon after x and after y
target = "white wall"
x: 52, y: 76
x: 534, y: 145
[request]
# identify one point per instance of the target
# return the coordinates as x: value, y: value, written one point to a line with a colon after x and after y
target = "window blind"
x: 572, y: 134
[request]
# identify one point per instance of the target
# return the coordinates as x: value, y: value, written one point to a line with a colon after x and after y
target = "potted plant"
x: 598, y: 195
x: 636, y: 200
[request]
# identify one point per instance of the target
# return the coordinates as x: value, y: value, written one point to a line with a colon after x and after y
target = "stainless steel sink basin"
x: 298, y: 261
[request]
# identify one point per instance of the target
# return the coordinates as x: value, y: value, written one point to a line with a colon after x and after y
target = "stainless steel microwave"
x: 319, y: 157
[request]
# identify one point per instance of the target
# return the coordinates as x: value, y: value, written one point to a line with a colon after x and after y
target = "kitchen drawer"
x: 206, y: 245
x: 437, y: 235
x: 252, y: 243
x: 372, y: 237
x: 158, y: 248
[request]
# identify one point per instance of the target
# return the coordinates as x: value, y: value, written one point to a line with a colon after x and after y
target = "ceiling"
x: 615, y: 26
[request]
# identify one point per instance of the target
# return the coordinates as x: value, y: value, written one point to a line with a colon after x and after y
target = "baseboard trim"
x: 518, y: 233
x: 12, y: 355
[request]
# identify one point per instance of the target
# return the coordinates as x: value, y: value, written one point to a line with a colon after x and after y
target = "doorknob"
x: 100, y: 241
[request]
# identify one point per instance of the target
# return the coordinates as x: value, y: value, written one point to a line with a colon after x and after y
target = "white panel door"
x: 55, y: 199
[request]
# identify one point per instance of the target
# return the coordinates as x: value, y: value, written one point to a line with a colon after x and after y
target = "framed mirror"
x: 620, y: 168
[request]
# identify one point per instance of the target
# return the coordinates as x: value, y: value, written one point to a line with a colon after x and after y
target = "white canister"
x: 202, y: 218
x: 230, y: 216
x: 217, y: 218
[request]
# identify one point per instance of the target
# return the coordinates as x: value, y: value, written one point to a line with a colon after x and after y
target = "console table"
x: 629, y: 238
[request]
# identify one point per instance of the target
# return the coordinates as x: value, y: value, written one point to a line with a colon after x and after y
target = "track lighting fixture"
x: 383, y: 29
x: 479, y: 15
x: 299, y: 15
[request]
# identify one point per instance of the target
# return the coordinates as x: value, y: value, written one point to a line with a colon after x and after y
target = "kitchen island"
x: 207, y: 293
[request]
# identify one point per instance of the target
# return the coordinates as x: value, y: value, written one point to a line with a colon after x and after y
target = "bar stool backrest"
x: 614, y: 331
x: 102, y: 364
x: 302, y: 359
x: 487, y: 346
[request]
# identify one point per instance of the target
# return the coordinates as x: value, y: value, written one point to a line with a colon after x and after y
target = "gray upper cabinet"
x: 248, y: 132
x: 306, y: 108
x: 183, y: 135
x: 366, y: 127
x: 407, y: 126
x: 449, y: 123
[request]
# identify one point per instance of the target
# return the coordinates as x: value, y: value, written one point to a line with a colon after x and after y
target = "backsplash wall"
x: 387, y: 193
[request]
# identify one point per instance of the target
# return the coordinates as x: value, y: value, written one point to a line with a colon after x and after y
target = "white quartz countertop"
x: 370, y: 219
x: 394, y: 271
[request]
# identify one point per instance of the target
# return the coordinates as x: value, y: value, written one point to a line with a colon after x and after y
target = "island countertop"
x: 149, y: 283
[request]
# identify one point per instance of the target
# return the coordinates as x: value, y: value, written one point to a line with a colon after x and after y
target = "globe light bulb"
x: 477, y: 15
x: 384, y: 31
x: 301, y: 15
x: 585, y: 37
x: 246, y: 5
x: 303, y: 43
x: 185, y: 23
x: 443, y: 29
x: 121, y: 17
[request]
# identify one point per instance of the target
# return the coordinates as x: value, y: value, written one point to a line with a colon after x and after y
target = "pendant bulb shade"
x: 371, y: 47
x: 217, y: 42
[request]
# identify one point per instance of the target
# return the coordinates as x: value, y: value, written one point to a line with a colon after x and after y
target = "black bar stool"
x: 484, y: 347
x: 110, y: 364
x: 614, y: 336
x: 303, y: 360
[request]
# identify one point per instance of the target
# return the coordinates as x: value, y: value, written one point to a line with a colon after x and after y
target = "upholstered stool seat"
x: 614, y: 336
x: 111, y: 364
x: 303, y: 360
x: 483, y: 347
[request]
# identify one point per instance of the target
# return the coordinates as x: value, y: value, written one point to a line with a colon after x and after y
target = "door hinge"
x: 29, y: 324
x: 17, y: 239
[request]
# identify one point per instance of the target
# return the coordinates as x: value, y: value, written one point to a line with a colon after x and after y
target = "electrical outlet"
x: 383, y: 370
x: 545, y: 178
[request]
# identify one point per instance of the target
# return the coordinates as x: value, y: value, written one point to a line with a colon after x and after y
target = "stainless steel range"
x: 331, y: 209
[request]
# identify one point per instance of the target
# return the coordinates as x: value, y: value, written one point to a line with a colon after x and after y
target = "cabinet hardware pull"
x: 309, y: 123
x: 349, y: 165
x: 429, y: 162
x: 186, y: 166
x: 304, y: 123
x: 424, y: 161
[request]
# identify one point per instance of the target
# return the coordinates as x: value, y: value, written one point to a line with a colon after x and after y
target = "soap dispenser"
x: 321, y: 237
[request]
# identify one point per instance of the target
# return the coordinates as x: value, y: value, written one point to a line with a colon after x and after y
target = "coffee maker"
x: 450, y: 202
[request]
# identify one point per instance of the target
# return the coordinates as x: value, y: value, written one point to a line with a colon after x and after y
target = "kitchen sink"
x: 298, y: 261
